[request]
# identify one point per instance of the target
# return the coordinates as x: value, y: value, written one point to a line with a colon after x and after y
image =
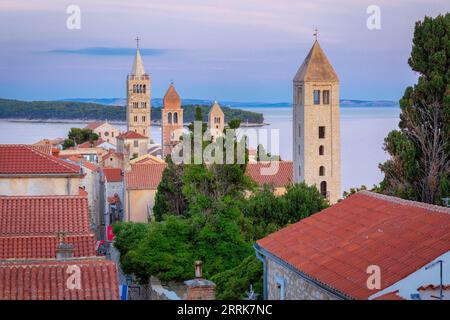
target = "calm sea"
x: 362, y: 134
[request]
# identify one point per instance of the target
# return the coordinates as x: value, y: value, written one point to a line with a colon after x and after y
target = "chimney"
x: 199, y: 288
x: 63, y: 250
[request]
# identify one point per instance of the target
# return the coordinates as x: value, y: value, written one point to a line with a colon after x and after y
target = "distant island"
x: 157, y: 102
x: 79, y: 110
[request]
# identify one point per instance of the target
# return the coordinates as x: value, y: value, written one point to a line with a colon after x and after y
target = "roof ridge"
x: 57, y: 196
x: 52, y: 158
x: 405, y: 202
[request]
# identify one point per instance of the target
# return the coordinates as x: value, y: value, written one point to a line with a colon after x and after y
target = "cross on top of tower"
x: 316, y: 33
x: 137, y: 41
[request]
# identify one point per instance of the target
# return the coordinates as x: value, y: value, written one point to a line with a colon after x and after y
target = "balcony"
x: 143, y: 77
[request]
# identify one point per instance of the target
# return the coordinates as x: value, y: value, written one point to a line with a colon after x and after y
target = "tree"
x: 419, y: 168
x: 78, y: 136
x: 169, y: 197
x: 68, y: 143
x: 352, y: 191
x: 234, y: 124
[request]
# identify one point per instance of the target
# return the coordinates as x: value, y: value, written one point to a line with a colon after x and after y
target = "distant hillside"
x: 157, y: 102
x: 67, y: 110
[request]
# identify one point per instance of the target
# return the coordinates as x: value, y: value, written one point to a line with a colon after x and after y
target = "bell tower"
x: 316, y: 125
x: 172, y: 120
x: 138, y: 97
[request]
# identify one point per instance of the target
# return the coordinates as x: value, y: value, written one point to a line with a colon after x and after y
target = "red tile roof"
x: 172, y: 99
x: 48, y: 280
x: 29, y: 226
x: 79, y: 160
x: 279, y: 176
x: 24, y: 159
x: 43, y: 215
x: 433, y: 287
x: 113, y: 174
x: 144, y: 176
x: 389, y: 296
x: 92, y: 144
x: 44, y: 247
x: 44, y: 148
x: 131, y: 135
x: 112, y: 153
x: 336, y: 245
x: 94, y: 125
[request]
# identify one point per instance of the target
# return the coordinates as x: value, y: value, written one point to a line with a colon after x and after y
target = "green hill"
x: 64, y: 110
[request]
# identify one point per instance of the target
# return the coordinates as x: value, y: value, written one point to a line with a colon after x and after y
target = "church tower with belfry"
x: 172, y: 120
x: 316, y: 124
x: 138, y: 97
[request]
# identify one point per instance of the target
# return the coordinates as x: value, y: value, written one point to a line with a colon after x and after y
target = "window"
x: 136, y: 143
x: 316, y: 96
x: 106, y: 133
x: 169, y: 117
x: 323, y: 188
x: 321, y: 171
x: 175, y: 117
x: 112, y: 134
x: 326, y: 96
x: 135, y: 119
x: 143, y: 118
x: 299, y: 150
x: 299, y: 170
x: 299, y: 130
x: 321, y: 132
x: 143, y: 131
x: 144, y: 88
x: 321, y: 150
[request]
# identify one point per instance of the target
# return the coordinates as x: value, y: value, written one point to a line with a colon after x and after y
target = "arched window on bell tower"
x: 169, y: 118
x: 175, y: 117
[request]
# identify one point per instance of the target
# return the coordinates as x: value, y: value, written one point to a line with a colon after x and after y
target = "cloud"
x: 109, y: 51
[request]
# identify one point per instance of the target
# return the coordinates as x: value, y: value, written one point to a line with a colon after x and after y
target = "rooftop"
x: 144, y: 176
x: 172, y: 99
x: 113, y: 174
x: 279, y: 176
x: 17, y: 159
x: 131, y: 135
x: 47, y: 280
x: 335, y: 246
x: 316, y: 67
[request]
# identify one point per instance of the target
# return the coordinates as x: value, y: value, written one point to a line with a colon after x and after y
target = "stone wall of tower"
x: 139, y: 104
x: 216, y: 122
x: 171, y: 132
x: 307, y: 118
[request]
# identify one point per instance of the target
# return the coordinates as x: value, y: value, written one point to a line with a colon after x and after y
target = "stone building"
x: 141, y: 184
x: 316, y: 125
x: 216, y: 121
x: 172, y: 121
x: 132, y: 145
x: 368, y: 246
x: 26, y: 171
x: 138, y: 98
x: 106, y: 131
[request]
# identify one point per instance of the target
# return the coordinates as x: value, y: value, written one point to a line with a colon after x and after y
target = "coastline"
x: 84, y: 121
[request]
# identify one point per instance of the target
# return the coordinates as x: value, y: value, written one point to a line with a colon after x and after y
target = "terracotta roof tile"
x: 390, y: 296
x: 24, y: 159
x: 365, y: 229
x: 112, y: 153
x: 279, y: 176
x: 89, y: 144
x: 113, y: 174
x: 94, y: 125
x: 44, y: 247
x: 144, y: 176
x: 38, y: 280
x: 131, y: 135
x: 43, y: 215
x: 433, y: 287
x: 172, y: 99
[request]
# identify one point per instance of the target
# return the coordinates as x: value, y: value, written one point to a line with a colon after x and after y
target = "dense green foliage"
x: 78, y: 136
x: 419, y: 168
x: 63, y: 110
